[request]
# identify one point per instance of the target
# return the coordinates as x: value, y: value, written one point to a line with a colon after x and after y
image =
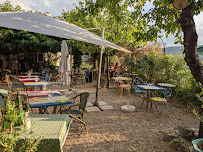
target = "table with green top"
x: 53, y: 129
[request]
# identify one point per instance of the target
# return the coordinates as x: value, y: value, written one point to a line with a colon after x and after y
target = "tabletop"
x: 146, y: 87
x: 46, y: 101
x: 166, y: 85
x: 53, y: 129
x: 36, y: 84
x: 29, y: 79
x: 26, y: 76
x: 41, y: 93
x: 122, y: 78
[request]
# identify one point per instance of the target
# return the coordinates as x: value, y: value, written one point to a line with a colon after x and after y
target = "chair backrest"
x: 116, y: 74
x: 165, y: 94
x: 126, y: 75
x: 138, y: 81
x: 83, y: 98
x: 48, y: 77
x: 162, y: 94
x: 8, y: 82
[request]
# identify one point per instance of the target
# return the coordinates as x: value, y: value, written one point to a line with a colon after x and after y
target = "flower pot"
x: 197, y: 145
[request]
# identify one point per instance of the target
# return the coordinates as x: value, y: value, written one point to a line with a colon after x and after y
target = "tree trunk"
x: 190, y: 47
x: 95, y: 61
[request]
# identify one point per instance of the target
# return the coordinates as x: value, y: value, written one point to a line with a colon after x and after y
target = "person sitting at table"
x: 116, y: 67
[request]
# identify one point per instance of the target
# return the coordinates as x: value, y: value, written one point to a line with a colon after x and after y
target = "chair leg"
x: 128, y: 91
x: 167, y: 109
x: 121, y: 92
x: 142, y: 101
x: 85, y: 128
x: 156, y: 108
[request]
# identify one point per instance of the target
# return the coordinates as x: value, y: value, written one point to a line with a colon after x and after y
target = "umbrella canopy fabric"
x: 64, y: 67
x: 39, y: 23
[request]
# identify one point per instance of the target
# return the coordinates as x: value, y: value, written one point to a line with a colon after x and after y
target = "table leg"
x: 55, y: 107
x: 40, y: 111
x: 147, y: 100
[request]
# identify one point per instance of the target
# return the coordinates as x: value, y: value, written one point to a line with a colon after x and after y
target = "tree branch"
x: 2, y: 144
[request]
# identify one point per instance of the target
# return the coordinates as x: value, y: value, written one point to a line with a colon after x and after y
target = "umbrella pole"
x: 71, y: 76
x: 96, y: 103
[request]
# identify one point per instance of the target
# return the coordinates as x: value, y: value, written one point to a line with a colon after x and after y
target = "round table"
x: 166, y: 85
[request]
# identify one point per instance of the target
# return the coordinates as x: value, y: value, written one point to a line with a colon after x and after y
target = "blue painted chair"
x: 138, y: 91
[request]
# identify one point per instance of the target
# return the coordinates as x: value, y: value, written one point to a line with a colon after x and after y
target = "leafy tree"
x: 16, y: 42
x: 161, y: 16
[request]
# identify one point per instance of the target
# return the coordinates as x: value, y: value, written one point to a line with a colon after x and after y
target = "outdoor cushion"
x: 3, y: 92
x: 139, y: 91
x: 72, y: 112
x: 75, y: 112
x: 158, y: 99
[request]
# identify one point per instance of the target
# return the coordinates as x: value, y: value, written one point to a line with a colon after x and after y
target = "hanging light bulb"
x: 180, y: 4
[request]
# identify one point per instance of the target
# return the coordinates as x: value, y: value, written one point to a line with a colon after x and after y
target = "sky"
x: 55, y: 8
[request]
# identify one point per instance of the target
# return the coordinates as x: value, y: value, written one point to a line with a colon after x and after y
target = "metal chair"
x: 81, y: 79
x: 161, y: 98
x: 12, y: 85
x: 139, y: 81
x: 116, y: 74
x: 78, y: 114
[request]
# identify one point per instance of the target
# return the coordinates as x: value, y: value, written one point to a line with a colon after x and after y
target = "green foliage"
x: 10, y: 113
x: 147, y: 23
x: 17, y: 42
x: 9, y: 138
x: 166, y: 68
x: 9, y: 141
x: 27, y: 144
x: 6, y: 6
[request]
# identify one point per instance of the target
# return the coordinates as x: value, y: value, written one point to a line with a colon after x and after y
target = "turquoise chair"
x: 138, y: 91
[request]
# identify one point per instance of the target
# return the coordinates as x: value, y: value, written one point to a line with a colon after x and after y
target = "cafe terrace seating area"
x: 53, y: 108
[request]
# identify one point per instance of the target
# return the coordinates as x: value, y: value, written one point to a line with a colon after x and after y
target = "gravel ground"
x: 115, y: 130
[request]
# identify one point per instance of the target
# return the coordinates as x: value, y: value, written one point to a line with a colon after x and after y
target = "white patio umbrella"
x: 64, y: 66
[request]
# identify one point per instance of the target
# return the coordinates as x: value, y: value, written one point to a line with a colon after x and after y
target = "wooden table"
x: 121, y: 79
x: 148, y: 89
x: 53, y: 129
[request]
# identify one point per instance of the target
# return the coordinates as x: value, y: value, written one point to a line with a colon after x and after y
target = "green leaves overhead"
x: 16, y: 42
x: 121, y: 25
x: 147, y: 16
